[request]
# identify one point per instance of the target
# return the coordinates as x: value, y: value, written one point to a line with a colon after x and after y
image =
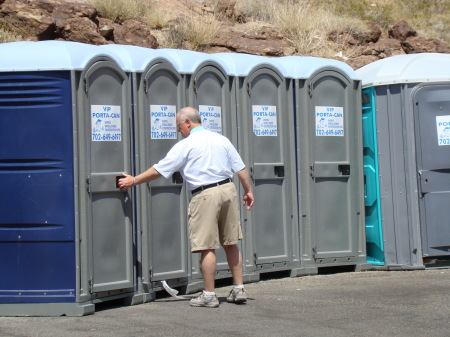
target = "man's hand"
x: 127, y: 182
x: 248, y: 199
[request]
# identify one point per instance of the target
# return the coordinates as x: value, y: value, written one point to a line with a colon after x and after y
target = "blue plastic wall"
x: 374, y: 232
x: 37, y: 225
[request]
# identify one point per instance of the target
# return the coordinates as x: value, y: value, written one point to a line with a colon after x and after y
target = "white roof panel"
x: 134, y: 59
x: 239, y: 64
x: 187, y: 61
x: 303, y: 67
x: 410, y: 68
x: 45, y: 55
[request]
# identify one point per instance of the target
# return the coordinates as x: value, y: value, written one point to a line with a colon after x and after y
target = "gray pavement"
x: 373, y: 303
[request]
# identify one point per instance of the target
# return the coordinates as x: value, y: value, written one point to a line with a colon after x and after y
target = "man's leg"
x: 234, y: 259
x: 208, y: 263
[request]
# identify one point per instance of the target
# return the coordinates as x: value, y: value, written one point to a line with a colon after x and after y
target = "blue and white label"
x: 329, y: 121
x: 443, y: 130
x: 211, y: 117
x: 106, y: 123
x: 265, y: 120
x: 163, y: 122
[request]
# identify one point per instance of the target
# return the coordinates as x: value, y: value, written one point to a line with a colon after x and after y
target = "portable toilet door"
x: 208, y: 89
x: 161, y: 205
x: 104, y: 110
x: 431, y: 104
x: 165, y: 200
x: 329, y: 143
x: 267, y: 144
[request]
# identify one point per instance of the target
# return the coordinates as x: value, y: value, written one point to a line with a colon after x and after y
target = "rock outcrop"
x: 38, y: 20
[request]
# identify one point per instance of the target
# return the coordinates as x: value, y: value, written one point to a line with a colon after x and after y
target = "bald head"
x: 190, y: 113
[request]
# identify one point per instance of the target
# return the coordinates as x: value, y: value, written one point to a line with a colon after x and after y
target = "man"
x: 207, y: 161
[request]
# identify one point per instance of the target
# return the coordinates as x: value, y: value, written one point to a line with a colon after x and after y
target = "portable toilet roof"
x: 240, y: 64
x: 46, y: 55
x: 303, y: 67
x: 409, y: 68
x: 187, y: 61
x: 134, y: 58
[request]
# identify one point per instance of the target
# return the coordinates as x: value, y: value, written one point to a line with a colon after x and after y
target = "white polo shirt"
x: 202, y: 158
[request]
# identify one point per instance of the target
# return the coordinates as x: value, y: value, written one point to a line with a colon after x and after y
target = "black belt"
x: 201, y: 188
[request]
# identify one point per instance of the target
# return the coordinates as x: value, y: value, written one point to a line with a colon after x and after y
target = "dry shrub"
x: 256, y: 9
x: 9, y: 33
x: 306, y: 25
x: 119, y: 10
x: 193, y: 32
x: 7, y: 36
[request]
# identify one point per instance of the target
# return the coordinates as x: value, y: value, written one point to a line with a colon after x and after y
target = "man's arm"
x: 248, y: 198
x: 130, y: 181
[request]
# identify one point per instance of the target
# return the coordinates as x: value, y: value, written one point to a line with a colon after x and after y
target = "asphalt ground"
x: 370, y: 303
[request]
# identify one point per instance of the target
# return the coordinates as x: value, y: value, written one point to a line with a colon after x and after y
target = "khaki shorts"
x: 214, y: 218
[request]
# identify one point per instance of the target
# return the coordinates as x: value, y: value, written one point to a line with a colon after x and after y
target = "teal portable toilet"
x: 66, y: 231
x: 407, y: 97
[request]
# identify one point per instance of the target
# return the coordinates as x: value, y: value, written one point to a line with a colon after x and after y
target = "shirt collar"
x: 197, y: 128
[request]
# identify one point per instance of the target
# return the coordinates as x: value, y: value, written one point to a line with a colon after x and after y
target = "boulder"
x: 401, y: 30
x: 418, y: 44
x: 356, y: 38
x: 134, y: 33
x: 384, y: 48
x: 81, y: 29
x: 31, y: 19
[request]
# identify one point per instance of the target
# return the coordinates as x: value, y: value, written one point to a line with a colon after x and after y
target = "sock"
x: 240, y: 286
x: 209, y: 293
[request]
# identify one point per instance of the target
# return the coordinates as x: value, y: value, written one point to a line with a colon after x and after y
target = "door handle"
x: 279, y: 171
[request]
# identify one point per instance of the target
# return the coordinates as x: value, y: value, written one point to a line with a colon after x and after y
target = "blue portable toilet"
x: 66, y: 230
x: 161, y: 206
x: 326, y: 94
x: 406, y: 103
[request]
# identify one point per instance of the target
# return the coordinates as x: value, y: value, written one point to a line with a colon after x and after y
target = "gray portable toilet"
x: 409, y: 96
x: 266, y: 142
x: 163, y: 251
x: 208, y: 88
x: 327, y: 98
x: 67, y: 235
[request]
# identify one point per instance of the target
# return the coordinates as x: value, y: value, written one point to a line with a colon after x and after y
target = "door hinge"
x: 314, y: 252
x: 310, y: 90
x: 249, y: 88
x: 88, y: 185
x: 255, y: 259
x: 91, y: 286
x: 311, y: 171
x: 86, y: 84
x: 145, y: 85
x: 150, y: 275
x: 195, y: 86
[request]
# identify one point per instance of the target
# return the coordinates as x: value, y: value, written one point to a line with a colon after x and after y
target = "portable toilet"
x: 66, y: 230
x: 161, y: 204
x: 265, y: 120
x: 408, y: 96
x: 327, y: 95
x: 208, y: 88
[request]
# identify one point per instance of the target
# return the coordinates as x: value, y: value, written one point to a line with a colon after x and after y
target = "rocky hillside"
x: 37, y: 20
